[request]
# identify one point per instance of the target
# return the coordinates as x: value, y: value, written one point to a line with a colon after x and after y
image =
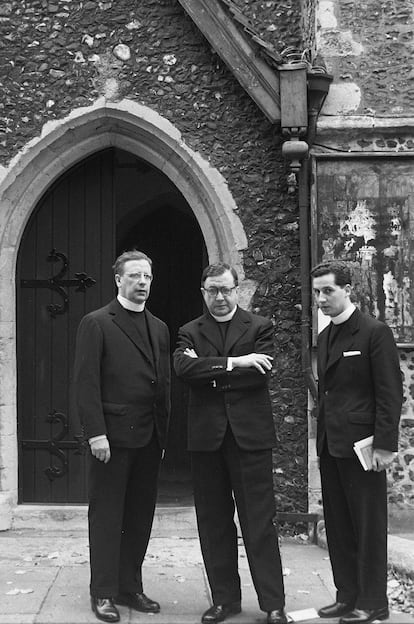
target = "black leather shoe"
x: 218, y: 613
x: 104, y: 609
x: 277, y: 616
x: 335, y: 610
x: 358, y: 616
x: 139, y: 602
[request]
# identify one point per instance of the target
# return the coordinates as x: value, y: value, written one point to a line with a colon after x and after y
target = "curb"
x: 400, y: 551
x: 401, y: 555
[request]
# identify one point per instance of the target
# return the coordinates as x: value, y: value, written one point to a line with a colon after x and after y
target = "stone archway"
x: 63, y: 143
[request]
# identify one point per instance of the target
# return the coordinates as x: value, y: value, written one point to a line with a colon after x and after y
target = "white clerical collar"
x: 227, y: 317
x: 344, y: 316
x: 130, y: 305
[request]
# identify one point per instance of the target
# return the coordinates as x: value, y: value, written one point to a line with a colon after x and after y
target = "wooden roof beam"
x: 239, y: 53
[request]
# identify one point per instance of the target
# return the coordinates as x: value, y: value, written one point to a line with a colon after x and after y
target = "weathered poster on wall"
x: 364, y: 213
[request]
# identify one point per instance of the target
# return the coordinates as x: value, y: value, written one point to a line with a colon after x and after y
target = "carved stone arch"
x: 63, y: 143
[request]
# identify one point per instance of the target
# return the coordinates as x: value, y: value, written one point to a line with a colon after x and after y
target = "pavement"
x: 44, y: 576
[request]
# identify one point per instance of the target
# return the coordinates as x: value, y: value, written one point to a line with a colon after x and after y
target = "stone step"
x: 168, y: 520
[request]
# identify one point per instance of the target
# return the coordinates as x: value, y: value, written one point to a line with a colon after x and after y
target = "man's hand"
x: 260, y: 361
x: 382, y: 459
x: 100, y: 449
x: 190, y: 352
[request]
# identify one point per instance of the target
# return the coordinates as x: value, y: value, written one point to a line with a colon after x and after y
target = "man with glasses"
x: 122, y: 380
x: 225, y: 357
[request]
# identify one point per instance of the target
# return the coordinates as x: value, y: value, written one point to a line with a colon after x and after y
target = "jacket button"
x: 326, y: 392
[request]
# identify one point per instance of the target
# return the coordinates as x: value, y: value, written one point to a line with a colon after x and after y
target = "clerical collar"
x: 344, y: 316
x: 130, y: 305
x: 227, y: 317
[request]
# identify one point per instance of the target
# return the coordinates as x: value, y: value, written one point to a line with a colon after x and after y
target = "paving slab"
x: 54, y: 565
x: 24, y: 593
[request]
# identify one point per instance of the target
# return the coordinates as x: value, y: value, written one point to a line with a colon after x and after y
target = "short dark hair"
x: 133, y: 254
x: 213, y: 270
x: 340, y: 268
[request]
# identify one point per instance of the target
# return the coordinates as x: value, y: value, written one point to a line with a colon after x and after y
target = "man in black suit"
x: 360, y: 394
x: 225, y: 358
x: 122, y: 380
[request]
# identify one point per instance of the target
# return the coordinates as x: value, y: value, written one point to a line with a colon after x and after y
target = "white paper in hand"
x: 363, y: 448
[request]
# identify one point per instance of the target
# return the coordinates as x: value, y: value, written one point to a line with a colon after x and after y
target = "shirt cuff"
x: 96, y: 438
x: 229, y: 364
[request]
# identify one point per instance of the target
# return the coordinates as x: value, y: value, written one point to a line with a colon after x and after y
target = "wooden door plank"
x: 76, y: 218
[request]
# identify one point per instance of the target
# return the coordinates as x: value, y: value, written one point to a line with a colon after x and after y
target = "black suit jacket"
x: 121, y: 389
x: 360, y: 387
x: 218, y: 397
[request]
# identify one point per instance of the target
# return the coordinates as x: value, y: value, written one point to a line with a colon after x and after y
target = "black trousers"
x: 122, y: 497
x: 355, y: 509
x: 217, y: 476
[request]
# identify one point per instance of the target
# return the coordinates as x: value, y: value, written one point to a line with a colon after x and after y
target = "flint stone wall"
x: 59, y: 55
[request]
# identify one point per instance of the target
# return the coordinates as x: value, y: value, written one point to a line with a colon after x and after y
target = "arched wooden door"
x: 63, y: 272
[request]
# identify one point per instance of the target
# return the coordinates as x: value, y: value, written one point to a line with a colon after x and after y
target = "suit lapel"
x: 323, y: 351
x: 344, y: 341
x: 209, y: 329
x: 154, y: 335
x: 238, y: 326
x: 124, y: 322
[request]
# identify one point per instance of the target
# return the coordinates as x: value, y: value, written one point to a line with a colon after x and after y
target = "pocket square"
x: 351, y: 353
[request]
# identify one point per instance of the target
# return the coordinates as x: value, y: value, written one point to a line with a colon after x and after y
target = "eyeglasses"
x: 139, y: 276
x: 213, y: 291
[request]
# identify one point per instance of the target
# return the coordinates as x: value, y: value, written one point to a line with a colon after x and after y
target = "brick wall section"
x: 57, y: 55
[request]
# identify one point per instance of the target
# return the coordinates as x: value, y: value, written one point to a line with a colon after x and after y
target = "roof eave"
x: 235, y: 48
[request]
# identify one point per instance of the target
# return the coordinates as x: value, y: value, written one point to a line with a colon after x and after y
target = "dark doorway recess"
x: 173, y: 239
x: 108, y: 203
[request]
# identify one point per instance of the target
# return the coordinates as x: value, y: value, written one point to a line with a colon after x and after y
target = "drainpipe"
x: 318, y: 82
x: 304, y: 244
x: 302, y: 93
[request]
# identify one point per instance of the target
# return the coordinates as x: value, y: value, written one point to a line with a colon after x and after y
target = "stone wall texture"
x: 401, y: 474
x: 59, y: 55
x: 368, y: 47
x: 278, y: 23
